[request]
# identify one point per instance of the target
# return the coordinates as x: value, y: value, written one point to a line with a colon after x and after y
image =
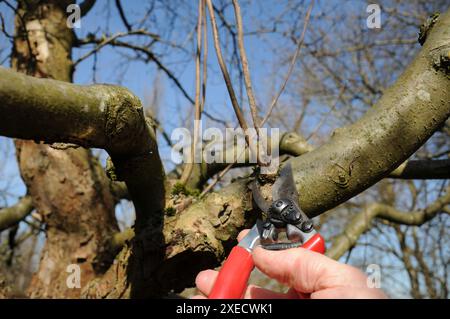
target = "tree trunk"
x: 68, y: 187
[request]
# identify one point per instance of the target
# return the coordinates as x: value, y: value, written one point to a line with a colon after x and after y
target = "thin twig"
x: 111, y: 39
x: 291, y: 67
x: 2, y: 21
x: 316, y: 129
x: 122, y: 15
x: 223, y: 68
x: 247, y: 79
x: 216, y: 180
x: 197, y: 104
x: 245, y: 68
x: 150, y: 57
x: 226, y: 77
x: 205, y: 56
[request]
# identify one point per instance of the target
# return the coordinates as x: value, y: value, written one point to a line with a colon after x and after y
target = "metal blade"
x: 284, y: 186
x: 252, y: 239
x: 258, y: 197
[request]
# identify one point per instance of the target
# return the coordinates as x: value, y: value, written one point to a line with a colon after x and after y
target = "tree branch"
x: 362, y: 222
x: 86, y: 6
x: 294, y: 144
x: 10, y: 216
x: 404, y: 118
x: 423, y: 169
x: 122, y: 15
x: 101, y: 116
x: 150, y: 56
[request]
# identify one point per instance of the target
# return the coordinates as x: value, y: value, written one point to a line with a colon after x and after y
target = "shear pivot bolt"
x: 307, y: 226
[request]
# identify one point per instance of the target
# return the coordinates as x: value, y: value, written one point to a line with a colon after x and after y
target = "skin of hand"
x: 307, y: 273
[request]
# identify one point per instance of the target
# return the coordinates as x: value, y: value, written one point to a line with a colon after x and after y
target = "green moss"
x: 170, y: 211
x: 179, y: 188
x: 110, y: 170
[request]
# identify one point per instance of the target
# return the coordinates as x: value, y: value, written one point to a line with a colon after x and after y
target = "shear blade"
x: 284, y: 187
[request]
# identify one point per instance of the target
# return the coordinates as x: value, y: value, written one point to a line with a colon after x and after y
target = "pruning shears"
x: 285, y: 226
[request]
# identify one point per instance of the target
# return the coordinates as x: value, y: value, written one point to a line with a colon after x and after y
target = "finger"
x: 256, y: 292
x: 242, y: 234
x: 205, y: 281
x: 346, y: 293
x: 198, y: 297
x: 306, y: 271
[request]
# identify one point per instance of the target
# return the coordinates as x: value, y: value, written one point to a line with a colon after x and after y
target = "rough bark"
x: 68, y: 187
x: 4, y: 288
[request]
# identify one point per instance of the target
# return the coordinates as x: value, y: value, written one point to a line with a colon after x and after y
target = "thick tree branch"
x: 363, y: 222
x: 101, y: 116
x: 295, y: 145
x: 10, y: 216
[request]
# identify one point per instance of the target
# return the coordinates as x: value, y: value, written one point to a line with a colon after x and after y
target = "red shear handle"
x: 233, y: 277
x: 315, y: 243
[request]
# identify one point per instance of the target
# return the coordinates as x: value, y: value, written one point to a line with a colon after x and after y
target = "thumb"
x: 307, y: 271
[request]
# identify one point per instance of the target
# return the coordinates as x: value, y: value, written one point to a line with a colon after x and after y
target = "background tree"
x: 341, y: 71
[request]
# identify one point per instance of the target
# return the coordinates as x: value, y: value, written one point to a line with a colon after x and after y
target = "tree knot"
x: 441, y: 59
x: 125, y: 122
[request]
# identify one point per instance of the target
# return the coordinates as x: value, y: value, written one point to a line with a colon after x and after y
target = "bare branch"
x: 86, y: 6
x: 122, y: 15
x: 423, y: 169
x: 11, y: 216
x: 245, y: 68
x: 362, y: 222
x: 226, y: 76
x: 227, y: 79
x: 151, y: 56
x: 197, y: 103
x: 110, y: 40
x: 291, y: 67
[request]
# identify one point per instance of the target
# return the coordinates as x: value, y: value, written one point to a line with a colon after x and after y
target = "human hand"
x: 307, y: 273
